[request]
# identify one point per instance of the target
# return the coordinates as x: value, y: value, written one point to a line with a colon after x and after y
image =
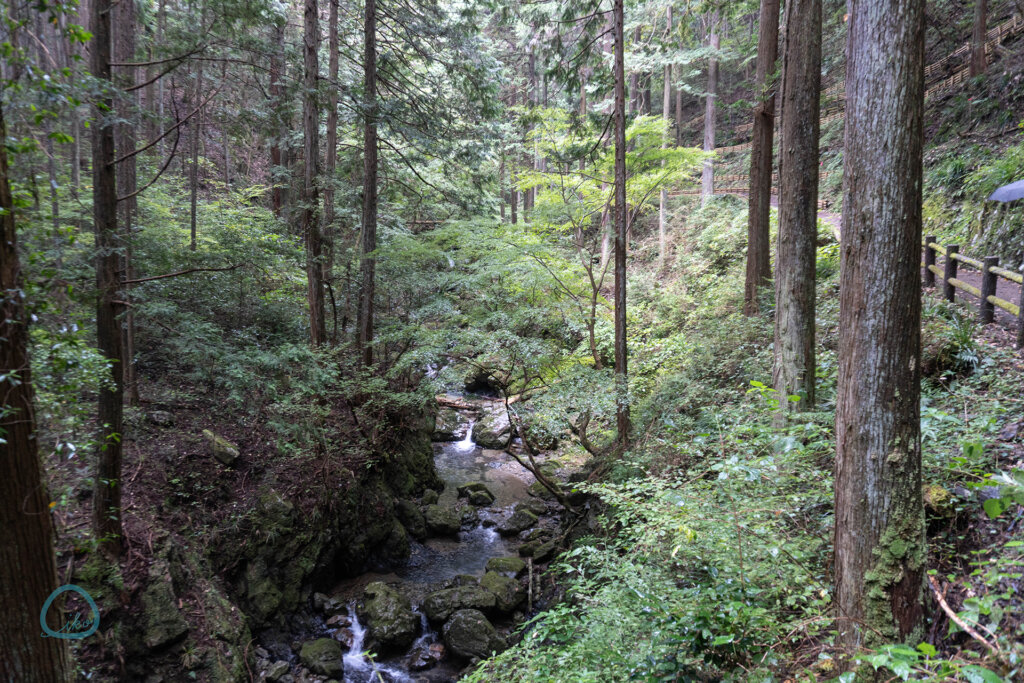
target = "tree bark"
x: 759, y: 200
x: 879, y: 519
x: 28, y: 572
x: 197, y: 132
x: 107, y: 488
x: 979, y: 60
x: 621, y: 227
x: 795, y: 258
x: 277, y: 94
x: 368, y: 260
x: 666, y: 112
x: 331, y: 153
x: 311, y: 176
x: 707, y: 178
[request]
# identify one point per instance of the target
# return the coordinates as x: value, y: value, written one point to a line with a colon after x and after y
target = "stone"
x: 544, y: 551
x: 411, y: 518
x: 345, y: 636
x: 395, y: 548
x: 338, y: 621
x: 449, y: 425
x: 440, y: 605
x: 226, y: 452
x: 469, y: 634
x: 425, y: 656
x: 536, y: 506
x: 538, y: 490
x: 322, y: 656
x: 493, y: 430
x: 520, y: 520
x: 481, y: 498
x: 388, y: 615
x: 443, y: 520
x: 509, y: 566
x: 261, y: 591
x: 465, y: 489
x: 276, y: 671
x: 161, y: 418
x: 430, y: 496
x: 508, y: 593
x: 327, y: 605
x: 163, y: 622
x: 469, y: 516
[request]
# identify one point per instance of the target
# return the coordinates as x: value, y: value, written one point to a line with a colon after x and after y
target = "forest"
x: 583, y: 341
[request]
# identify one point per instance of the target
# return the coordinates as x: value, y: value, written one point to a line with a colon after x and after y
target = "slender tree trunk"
x: 759, y: 200
x: 368, y: 260
x: 880, y: 548
x: 666, y: 112
x: 634, y: 78
x: 124, y: 141
x: 793, y: 371
x: 331, y: 153
x: 679, y: 107
x: 107, y: 488
x: 311, y: 176
x: 277, y: 93
x: 160, y: 17
x: 707, y: 178
x: 621, y: 227
x: 28, y: 572
x: 979, y: 60
x: 197, y: 134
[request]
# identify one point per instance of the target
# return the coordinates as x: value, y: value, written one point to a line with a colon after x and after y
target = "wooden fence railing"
x: 990, y: 274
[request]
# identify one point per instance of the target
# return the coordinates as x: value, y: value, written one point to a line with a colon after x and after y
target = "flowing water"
x: 437, y: 560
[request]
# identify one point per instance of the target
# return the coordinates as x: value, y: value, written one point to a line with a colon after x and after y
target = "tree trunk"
x: 368, y: 260
x: 311, y: 176
x: 197, y: 132
x: 621, y: 227
x: 879, y: 517
x: 759, y: 200
x: 28, y: 572
x: 277, y: 93
x: 795, y: 258
x: 634, y: 78
x: 707, y: 178
x: 979, y: 60
x: 666, y: 112
x: 331, y: 153
x: 107, y: 488
x: 679, y: 108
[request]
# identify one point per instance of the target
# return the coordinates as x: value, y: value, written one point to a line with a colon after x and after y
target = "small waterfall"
x: 467, y: 444
x: 353, y: 659
x: 360, y: 669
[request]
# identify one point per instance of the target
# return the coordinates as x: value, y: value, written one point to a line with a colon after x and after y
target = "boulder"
x: 440, y: 605
x: 276, y: 671
x: 426, y: 656
x: 327, y: 605
x: 443, y: 520
x: 390, y: 621
x: 469, y: 516
x: 493, y: 430
x: 508, y: 593
x: 477, y: 492
x: 411, y: 518
x: 469, y: 634
x: 449, y: 425
x: 395, y: 548
x: 222, y: 449
x: 161, y: 418
x: 430, y: 497
x: 322, y: 656
x: 535, y: 505
x: 163, y: 623
x: 520, y: 520
x: 509, y: 566
x: 481, y: 498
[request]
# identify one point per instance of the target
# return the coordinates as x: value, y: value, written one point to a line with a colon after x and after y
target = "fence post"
x: 986, y: 309
x: 951, y: 263
x: 929, y: 260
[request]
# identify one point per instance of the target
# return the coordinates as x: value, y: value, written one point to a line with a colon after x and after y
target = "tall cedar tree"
x: 666, y: 112
x: 879, y: 516
x: 311, y: 176
x: 979, y: 60
x: 621, y: 229
x: 28, y: 572
x: 793, y: 371
x: 707, y: 178
x: 368, y: 258
x: 759, y: 200
x: 109, y: 306
x: 331, y: 157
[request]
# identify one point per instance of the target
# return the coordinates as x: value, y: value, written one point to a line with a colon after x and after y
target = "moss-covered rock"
x: 411, y: 518
x: 469, y: 634
x: 322, y: 656
x: 509, y: 566
x: 226, y: 452
x: 440, y: 605
x: 493, y: 430
x: 443, y: 520
x: 163, y: 623
x: 520, y: 520
x: 390, y: 621
x: 450, y: 425
x: 430, y: 496
x: 508, y: 593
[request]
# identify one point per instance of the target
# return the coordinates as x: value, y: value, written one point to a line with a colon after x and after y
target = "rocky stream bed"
x: 476, y: 549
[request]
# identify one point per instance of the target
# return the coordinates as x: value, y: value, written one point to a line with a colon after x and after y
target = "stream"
x: 436, y: 563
